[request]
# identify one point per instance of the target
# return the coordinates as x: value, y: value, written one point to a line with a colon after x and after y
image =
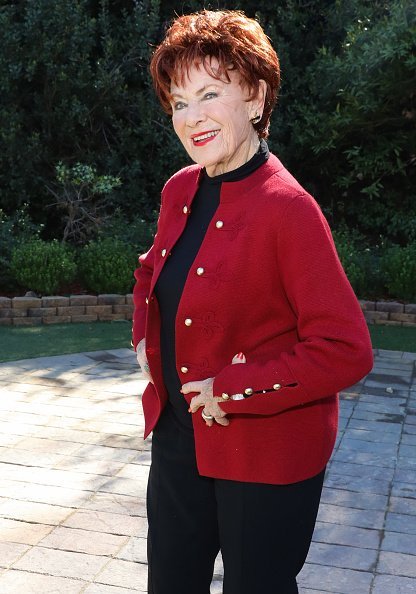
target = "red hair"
x: 236, y: 41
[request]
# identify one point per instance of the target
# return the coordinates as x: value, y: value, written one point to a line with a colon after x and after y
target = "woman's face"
x: 212, y: 119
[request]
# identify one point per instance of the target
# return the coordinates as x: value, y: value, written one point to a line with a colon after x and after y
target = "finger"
x: 222, y: 421
x: 239, y: 358
x: 196, y: 403
x: 192, y: 387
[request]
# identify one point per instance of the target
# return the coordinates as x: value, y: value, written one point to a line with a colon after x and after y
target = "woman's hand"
x: 142, y: 360
x: 206, y: 401
x: 206, y: 398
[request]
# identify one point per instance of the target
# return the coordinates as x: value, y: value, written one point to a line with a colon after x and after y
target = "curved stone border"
x: 32, y: 311
x: 389, y: 313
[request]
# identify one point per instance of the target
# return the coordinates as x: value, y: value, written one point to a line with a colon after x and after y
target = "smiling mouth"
x: 204, y: 137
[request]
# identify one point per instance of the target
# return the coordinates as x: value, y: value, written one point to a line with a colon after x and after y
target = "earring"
x: 256, y: 119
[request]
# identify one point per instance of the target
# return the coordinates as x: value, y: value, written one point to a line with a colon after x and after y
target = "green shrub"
x: 362, y: 263
x: 134, y: 232
x: 399, y: 268
x: 42, y: 266
x: 107, y: 265
x: 14, y: 229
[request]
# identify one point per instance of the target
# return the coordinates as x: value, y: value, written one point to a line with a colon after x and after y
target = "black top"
x: 171, y: 281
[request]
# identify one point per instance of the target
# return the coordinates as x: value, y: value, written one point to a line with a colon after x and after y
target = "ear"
x: 258, y: 102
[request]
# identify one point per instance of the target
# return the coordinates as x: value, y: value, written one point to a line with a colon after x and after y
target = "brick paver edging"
x: 390, y: 313
x: 32, y: 311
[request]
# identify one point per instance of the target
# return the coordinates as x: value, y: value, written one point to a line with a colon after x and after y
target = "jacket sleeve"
x: 334, y: 349
x: 143, y: 275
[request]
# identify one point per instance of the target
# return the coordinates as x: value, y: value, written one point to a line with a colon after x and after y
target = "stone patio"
x: 73, y: 470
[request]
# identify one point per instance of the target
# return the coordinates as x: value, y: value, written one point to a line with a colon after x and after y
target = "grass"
x: 393, y: 338
x: 60, y: 339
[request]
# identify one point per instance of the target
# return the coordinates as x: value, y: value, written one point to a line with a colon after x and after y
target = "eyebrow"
x: 199, y: 92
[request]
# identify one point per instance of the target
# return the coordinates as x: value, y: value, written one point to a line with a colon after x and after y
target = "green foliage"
x: 107, y: 266
x: 357, y: 129
x: 399, y: 268
x: 136, y: 233
x: 14, y: 229
x: 75, y: 88
x: 81, y: 193
x: 42, y: 266
x: 360, y: 262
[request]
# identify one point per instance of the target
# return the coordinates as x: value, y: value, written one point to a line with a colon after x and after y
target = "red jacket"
x: 267, y: 282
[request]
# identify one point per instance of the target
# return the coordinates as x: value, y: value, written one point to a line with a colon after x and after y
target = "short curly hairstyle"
x: 236, y: 41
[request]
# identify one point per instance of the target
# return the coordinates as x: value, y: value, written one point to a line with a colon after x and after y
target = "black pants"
x: 264, y: 531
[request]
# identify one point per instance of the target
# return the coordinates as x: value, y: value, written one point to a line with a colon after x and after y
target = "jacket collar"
x: 231, y: 191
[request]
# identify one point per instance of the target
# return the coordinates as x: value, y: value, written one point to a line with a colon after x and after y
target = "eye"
x: 210, y: 95
x: 179, y: 105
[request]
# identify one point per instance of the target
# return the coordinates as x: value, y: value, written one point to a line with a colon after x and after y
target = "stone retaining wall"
x: 32, y: 311
x: 389, y: 313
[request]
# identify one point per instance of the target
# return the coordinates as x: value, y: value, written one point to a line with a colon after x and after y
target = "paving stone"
x: 23, y: 582
x: 404, y: 490
x: 116, y: 503
x: 22, y: 532
x: 401, y: 523
x: 29, y: 511
x: 397, y: 564
x: 61, y: 563
x: 107, y: 522
x: 401, y: 505
x: 360, y: 445
x: 11, y: 552
x: 354, y: 500
x: 134, y: 550
x: 346, y: 535
x: 361, y: 470
x: 106, y: 589
x: 83, y: 541
x: 400, y: 543
x: 372, y: 436
x: 337, y: 514
x: 342, y: 556
x: 335, y: 580
x: 392, y: 584
x: 49, y: 494
x: 360, y: 484
x: 125, y: 574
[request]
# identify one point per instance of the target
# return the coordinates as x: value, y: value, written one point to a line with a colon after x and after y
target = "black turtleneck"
x: 172, y: 279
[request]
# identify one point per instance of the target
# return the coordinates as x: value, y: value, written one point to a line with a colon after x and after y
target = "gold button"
x: 184, y: 369
x: 248, y: 391
x: 277, y: 386
x: 147, y: 300
x: 219, y: 224
x: 185, y: 210
x: 188, y: 322
x: 200, y: 271
x: 164, y: 252
x: 225, y: 396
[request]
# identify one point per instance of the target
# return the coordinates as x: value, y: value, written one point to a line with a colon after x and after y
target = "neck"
x: 242, y: 155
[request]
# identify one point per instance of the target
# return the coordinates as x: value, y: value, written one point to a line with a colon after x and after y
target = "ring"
x: 206, y: 417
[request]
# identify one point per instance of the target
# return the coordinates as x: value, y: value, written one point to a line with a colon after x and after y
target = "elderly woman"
x: 245, y: 326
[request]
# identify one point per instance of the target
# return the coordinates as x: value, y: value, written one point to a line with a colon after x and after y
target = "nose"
x: 194, y: 114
